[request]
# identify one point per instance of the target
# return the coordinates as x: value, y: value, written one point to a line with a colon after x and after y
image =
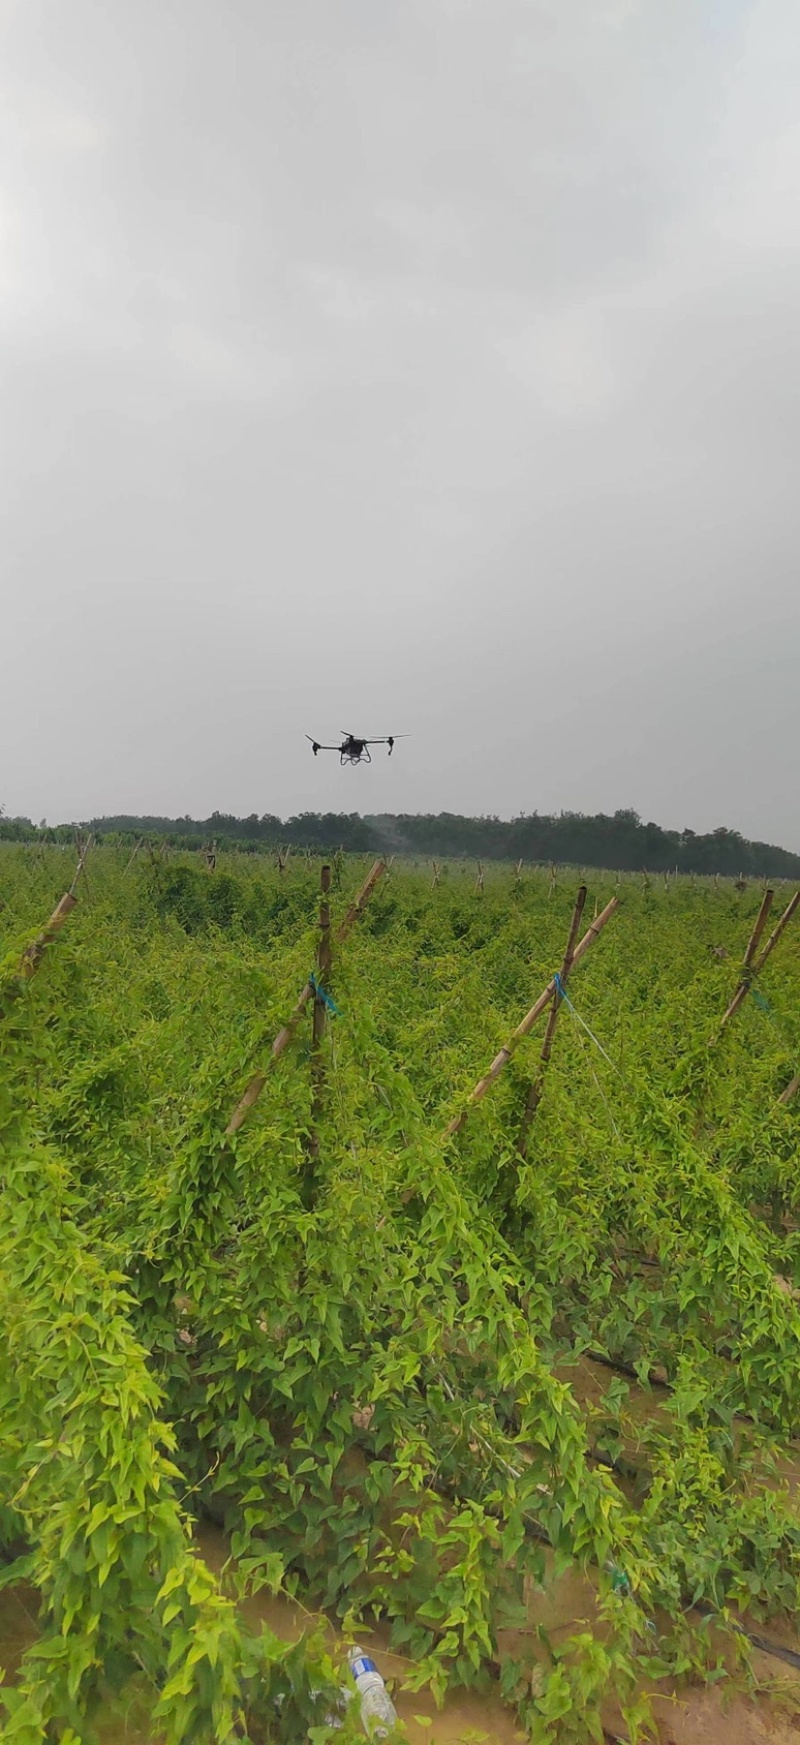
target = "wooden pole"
x: 791, y: 1089
x: 284, y: 1036
x: 783, y: 923
x: 323, y: 955
x: 133, y: 856
x: 87, y: 846
x: 504, y: 1056
x: 375, y: 873
x: 536, y: 1086
x: 319, y: 1022
x: 753, y: 964
x: 760, y: 924
x: 33, y: 953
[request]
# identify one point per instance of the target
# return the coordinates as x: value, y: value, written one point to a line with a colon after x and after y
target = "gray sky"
x: 427, y: 367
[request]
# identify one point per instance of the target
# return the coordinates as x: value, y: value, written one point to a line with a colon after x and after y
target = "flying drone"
x: 354, y: 750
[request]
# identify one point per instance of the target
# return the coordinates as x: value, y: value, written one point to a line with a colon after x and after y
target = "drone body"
x: 354, y: 750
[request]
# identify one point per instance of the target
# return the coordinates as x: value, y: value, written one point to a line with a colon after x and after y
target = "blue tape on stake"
x: 322, y: 994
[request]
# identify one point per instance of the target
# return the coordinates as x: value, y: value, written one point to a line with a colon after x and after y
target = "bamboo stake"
x: 133, y: 856
x: 479, y: 879
x: 758, y: 928
x: 783, y: 923
x: 791, y: 1089
x: 753, y: 964
x: 284, y: 1036
x: 504, y: 1056
x: 376, y: 872
x: 323, y: 954
x: 320, y: 1014
x: 537, y: 1084
x: 89, y: 844
x: 435, y: 879
x: 33, y: 953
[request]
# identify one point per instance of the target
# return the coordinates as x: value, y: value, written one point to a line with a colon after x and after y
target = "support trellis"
x: 502, y: 1059
x: 754, y: 964
x: 285, y: 1034
x: 537, y: 1083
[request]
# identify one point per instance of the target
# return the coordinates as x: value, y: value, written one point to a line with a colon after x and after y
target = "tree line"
x: 620, y: 841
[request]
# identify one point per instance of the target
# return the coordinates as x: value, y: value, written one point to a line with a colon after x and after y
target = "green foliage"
x: 378, y: 1388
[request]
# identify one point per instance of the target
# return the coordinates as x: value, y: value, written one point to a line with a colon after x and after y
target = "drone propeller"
x: 377, y: 739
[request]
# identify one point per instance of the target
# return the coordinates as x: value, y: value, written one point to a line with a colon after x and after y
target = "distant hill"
x: 621, y: 841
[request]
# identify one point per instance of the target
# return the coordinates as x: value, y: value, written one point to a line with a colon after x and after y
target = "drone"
x: 354, y: 750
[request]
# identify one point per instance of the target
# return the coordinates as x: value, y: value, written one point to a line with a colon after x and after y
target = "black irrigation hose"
x: 657, y: 1381
x: 764, y: 1644
x: 616, y: 1363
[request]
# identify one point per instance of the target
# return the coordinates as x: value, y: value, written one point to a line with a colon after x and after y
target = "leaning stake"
x: 502, y: 1059
x: 33, y: 953
x: 535, y: 1087
x: 791, y: 1089
x: 752, y: 964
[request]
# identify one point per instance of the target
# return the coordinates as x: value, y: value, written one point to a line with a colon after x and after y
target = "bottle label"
x: 364, y: 1664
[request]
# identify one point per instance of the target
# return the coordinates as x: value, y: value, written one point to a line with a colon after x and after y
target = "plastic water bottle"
x: 378, y: 1713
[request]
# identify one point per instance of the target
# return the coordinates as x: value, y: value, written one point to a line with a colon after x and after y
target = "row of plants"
x: 361, y: 1357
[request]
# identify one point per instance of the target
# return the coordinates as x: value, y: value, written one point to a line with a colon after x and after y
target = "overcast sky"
x: 423, y: 366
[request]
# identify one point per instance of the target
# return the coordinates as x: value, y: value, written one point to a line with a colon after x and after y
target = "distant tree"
x: 619, y: 840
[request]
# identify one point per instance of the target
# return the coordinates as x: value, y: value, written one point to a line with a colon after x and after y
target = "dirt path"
x: 685, y: 1716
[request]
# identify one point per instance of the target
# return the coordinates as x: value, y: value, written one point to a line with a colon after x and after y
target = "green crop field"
x: 523, y: 1400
